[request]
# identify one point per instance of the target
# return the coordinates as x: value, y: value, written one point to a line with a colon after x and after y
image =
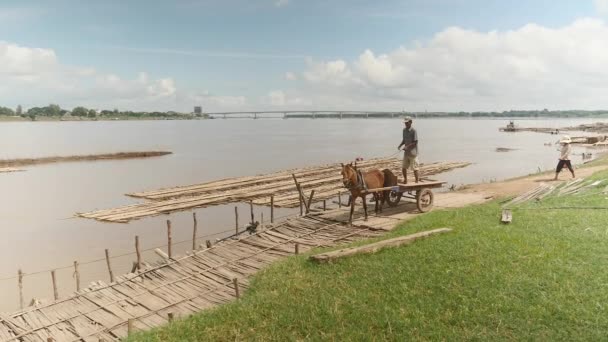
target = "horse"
x: 358, y: 183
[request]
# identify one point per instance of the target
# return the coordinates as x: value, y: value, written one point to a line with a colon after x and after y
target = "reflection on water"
x: 37, y: 206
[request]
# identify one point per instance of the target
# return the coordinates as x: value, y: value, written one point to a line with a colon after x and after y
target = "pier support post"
x: 236, y: 219
x: 109, y: 266
x: 169, y: 239
x: 235, y: 281
x: 194, y: 228
x: 251, y: 209
x: 272, y: 209
x: 77, y: 276
x: 20, y: 277
x: 138, y: 252
x: 55, y: 292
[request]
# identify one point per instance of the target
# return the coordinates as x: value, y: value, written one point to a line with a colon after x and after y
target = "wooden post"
x: 301, y: 195
x: 208, y: 243
x: 169, y: 242
x: 109, y: 266
x: 236, y: 219
x: 300, y: 198
x: 251, y: 209
x: 134, y: 267
x: 324, y: 205
x: 170, y: 316
x: 312, y: 193
x: 194, y: 231
x: 262, y: 218
x: 235, y: 281
x: 138, y: 252
x: 129, y: 326
x: 339, y: 199
x: 77, y: 275
x: 55, y: 292
x: 20, y: 275
x: 272, y: 209
x: 297, y: 248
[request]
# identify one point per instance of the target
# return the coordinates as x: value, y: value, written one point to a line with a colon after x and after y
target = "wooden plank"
x: 374, y: 247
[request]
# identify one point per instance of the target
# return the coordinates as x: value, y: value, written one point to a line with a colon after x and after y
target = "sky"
x: 239, y: 55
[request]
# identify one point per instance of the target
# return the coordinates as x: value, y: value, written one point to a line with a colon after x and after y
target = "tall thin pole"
x: 236, y: 219
x: 194, y: 231
x: 55, y: 292
x: 20, y: 275
x: 251, y: 209
x: 138, y: 252
x: 109, y: 266
x: 272, y: 209
x: 77, y: 275
x: 169, y: 239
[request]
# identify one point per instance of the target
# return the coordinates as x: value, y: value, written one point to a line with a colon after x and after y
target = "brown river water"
x: 39, y: 231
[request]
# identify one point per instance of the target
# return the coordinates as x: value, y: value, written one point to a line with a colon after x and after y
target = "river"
x: 37, y: 206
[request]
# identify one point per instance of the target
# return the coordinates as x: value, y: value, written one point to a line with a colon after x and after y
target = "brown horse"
x: 359, y: 183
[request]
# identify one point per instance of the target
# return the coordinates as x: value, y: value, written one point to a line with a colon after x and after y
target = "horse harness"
x: 360, y: 182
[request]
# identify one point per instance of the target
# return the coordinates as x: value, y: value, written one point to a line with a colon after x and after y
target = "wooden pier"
x: 176, y: 287
x: 325, y: 180
x: 154, y: 294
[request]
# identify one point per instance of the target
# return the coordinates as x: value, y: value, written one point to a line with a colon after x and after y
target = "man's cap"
x: 407, y: 119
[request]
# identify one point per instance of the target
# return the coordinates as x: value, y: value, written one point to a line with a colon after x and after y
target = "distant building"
x: 198, y: 110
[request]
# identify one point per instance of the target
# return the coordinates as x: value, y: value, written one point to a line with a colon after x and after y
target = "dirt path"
x: 520, y: 185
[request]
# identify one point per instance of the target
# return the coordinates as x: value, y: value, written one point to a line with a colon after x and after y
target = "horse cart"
x: 420, y: 192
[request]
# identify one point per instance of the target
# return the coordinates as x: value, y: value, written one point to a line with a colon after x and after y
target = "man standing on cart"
x: 410, y: 148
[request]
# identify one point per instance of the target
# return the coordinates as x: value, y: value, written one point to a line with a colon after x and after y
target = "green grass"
x: 543, y: 277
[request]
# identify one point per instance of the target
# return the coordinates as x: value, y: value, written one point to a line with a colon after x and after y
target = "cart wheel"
x: 393, y: 198
x: 424, y: 200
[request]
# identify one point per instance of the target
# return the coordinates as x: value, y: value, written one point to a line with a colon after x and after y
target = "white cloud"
x: 281, y: 3
x: 290, y: 76
x: 459, y: 69
x: 601, y: 6
x: 35, y: 76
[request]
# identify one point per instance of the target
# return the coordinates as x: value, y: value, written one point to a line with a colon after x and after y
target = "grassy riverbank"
x: 540, y: 278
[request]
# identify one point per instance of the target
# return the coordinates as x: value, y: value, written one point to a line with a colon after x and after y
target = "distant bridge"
x: 307, y: 114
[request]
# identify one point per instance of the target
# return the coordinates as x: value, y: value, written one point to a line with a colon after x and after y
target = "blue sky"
x: 237, y: 54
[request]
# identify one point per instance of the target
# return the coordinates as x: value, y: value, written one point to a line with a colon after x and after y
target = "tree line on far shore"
x: 54, y: 110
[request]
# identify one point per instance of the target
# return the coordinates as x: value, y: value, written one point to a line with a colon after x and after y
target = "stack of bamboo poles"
x: 9, y: 169
x: 325, y: 180
x: 538, y: 193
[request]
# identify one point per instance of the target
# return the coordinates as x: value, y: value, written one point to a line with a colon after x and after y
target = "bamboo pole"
x: 309, y: 203
x: 272, y: 209
x: 109, y: 266
x: 297, y: 248
x: 339, y: 199
x: 194, y: 228
x: 236, y: 219
x: 138, y: 252
x: 251, y: 209
x: 169, y: 239
x: 324, y: 205
x: 235, y: 281
x: 55, y: 292
x: 77, y: 275
x: 20, y: 276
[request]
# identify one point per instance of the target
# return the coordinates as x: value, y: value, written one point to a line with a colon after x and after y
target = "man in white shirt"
x: 564, y: 158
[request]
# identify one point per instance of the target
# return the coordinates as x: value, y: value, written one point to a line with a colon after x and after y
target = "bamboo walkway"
x: 175, y: 287
x: 325, y: 180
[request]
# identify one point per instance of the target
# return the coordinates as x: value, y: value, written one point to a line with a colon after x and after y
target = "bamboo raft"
x: 175, y: 287
x: 325, y: 180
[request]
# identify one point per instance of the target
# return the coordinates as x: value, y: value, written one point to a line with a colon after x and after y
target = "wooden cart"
x: 420, y: 192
